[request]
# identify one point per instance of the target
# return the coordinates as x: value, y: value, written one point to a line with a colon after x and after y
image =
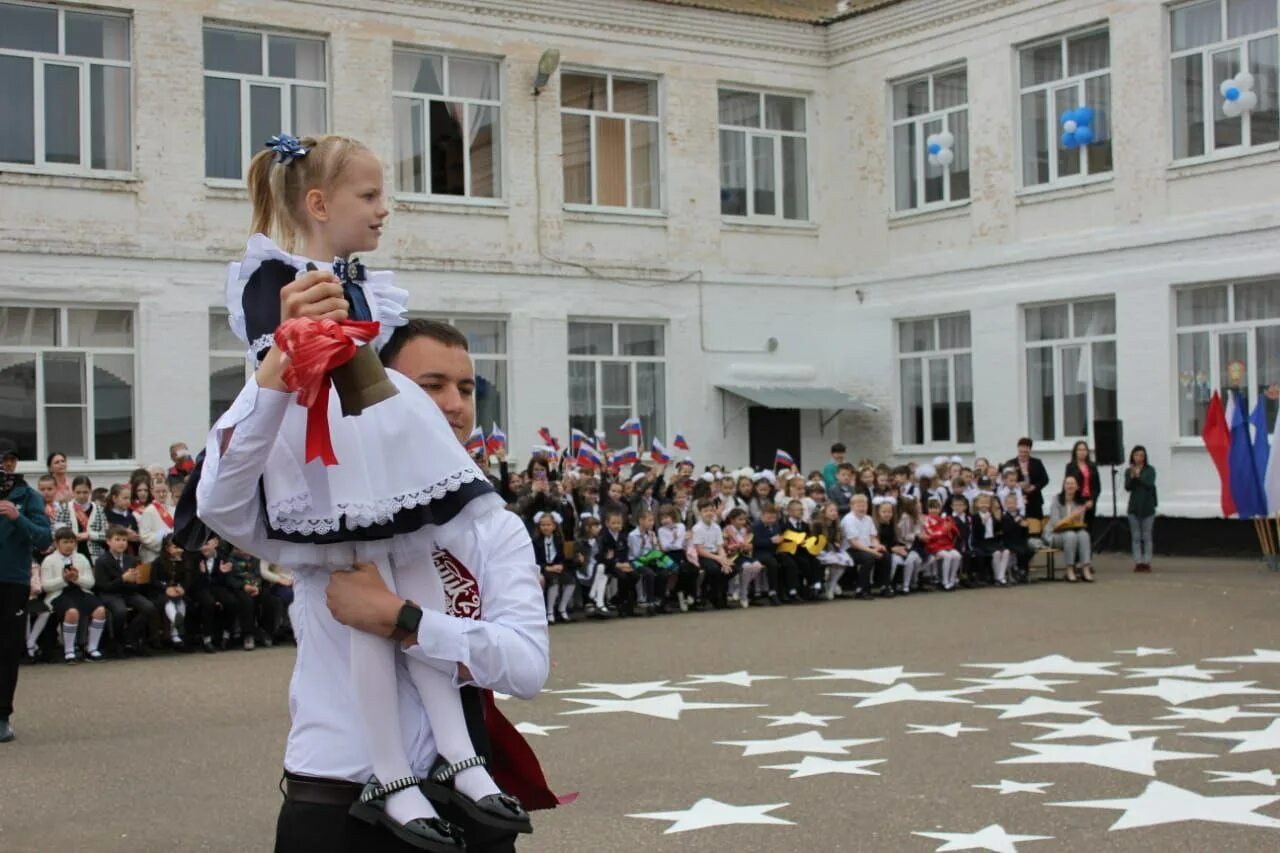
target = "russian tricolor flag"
x: 577, y: 438
x: 659, y: 453
x: 1242, y: 460
x: 600, y: 442
x: 475, y: 444
x: 631, y: 426
x: 680, y: 442
x: 496, y: 441
x: 626, y: 456
x: 548, y: 439
x: 783, y: 459
x: 588, y: 456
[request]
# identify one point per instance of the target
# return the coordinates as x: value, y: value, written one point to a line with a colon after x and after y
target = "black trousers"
x: 13, y: 639
x: 772, y: 572
x: 202, y: 613
x: 237, y: 608
x: 270, y: 612
x: 863, y: 563
x: 715, y: 582
x: 145, y: 615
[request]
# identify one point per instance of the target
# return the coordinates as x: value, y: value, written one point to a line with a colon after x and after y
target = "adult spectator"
x: 155, y: 521
x: 24, y: 529
x: 839, y: 454
x: 9, y: 462
x: 1068, y: 531
x: 1085, y: 471
x: 57, y: 465
x: 183, y: 464
x: 1140, y: 483
x: 1032, y: 477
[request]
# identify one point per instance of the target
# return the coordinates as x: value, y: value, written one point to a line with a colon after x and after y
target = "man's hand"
x: 9, y: 510
x: 360, y: 599
x: 316, y: 294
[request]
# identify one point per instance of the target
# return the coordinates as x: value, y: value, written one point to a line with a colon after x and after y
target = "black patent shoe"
x: 434, y: 834
x: 500, y: 811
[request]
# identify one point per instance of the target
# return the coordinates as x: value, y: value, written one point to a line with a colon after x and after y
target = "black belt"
x: 323, y: 792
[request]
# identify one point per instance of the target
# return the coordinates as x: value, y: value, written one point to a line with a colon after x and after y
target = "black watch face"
x: 410, y: 616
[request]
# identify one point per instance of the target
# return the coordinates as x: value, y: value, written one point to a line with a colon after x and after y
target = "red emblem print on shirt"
x: 462, y: 592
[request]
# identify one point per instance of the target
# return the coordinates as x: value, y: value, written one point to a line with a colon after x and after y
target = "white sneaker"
x: 830, y: 594
x: 745, y: 602
x: 683, y: 601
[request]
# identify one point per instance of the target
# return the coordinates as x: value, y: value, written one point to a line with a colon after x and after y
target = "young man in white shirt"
x: 859, y: 531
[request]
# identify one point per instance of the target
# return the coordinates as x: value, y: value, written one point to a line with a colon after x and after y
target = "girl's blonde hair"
x: 278, y: 190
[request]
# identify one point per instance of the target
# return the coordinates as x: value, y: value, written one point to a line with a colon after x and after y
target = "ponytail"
x: 278, y: 189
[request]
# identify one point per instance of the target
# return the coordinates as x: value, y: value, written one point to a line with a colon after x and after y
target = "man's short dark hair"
x: 838, y: 448
x: 1024, y: 442
x: 419, y: 327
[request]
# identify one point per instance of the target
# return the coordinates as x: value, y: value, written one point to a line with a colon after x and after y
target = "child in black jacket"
x: 557, y: 578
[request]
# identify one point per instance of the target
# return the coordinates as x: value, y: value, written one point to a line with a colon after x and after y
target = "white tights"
x: 558, y: 598
x: 949, y: 561
x: 1000, y: 565
x: 910, y: 567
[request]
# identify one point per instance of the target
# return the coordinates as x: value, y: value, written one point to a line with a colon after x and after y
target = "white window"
x: 1228, y: 340
x: 65, y: 98
x: 924, y: 107
x: 935, y: 376
x: 617, y: 371
x: 1057, y: 77
x: 1071, y: 367
x: 1212, y: 42
x: 610, y: 133
x: 229, y: 365
x: 487, y: 342
x: 66, y: 381
x: 764, y: 156
x: 447, y: 111
x: 257, y: 85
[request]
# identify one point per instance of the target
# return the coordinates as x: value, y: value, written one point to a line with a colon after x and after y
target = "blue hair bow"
x: 288, y: 148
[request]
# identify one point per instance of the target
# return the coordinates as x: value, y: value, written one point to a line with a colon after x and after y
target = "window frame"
x: 1209, y: 96
x: 248, y: 146
x: 631, y: 360
x: 241, y: 353
x: 1073, y: 340
x: 751, y: 133
x: 659, y: 119
x: 921, y: 155
x: 499, y: 200
x: 41, y: 59
x: 938, y: 352
x: 1050, y: 89
x: 89, y: 460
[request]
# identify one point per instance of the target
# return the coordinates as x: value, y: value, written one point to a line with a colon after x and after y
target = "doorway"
x: 771, y: 430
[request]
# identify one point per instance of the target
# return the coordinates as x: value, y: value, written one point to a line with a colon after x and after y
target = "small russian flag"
x: 631, y: 426
x: 588, y: 456
x: 545, y: 451
x: 475, y: 444
x: 548, y: 439
x: 626, y: 456
x: 783, y: 459
x: 577, y: 438
x: 600, y: 442
x: 680, y: 442
x: 496, y: 441
x: 659, y: 453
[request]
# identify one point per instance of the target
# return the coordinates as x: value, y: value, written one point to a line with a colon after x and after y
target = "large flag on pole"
x: 1261, y: 450
x: 1246, y: 490
x: 1217, y: 440
x: 1272, y: 479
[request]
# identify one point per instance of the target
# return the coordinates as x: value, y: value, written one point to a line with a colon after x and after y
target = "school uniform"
x: 120, y: 597
x: 801, y: 570
x: 674, y: 542
x: 558, y: 586
x: 964, y: 543
x: 709, y: 538
x: 1014, y: 536
x: 612, y: 552
x: 987, y: 546
x: 860, y: 529
x: 202, y: 607
x: 60, y: 596
x: 1034, y: 473
x: 121, y: 518
x: 766, y: 554
x: 640, y: 543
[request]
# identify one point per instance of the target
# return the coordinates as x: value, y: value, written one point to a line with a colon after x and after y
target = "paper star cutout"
x: 1258, y: 740
x: 708, y: 812
x: 1188, y: 671
x: 1127, y: 756
x: 535, y: 729
x: 1258, y: 656
x: 1047, y: 665
x: 950, y: 729
x: 1038, y: 706
x: 1008, y: 786
x: 1144, y: 652
x: 905, y: 692
x: 814, y: 765
x: 884, y: 675
x: 501, y: 697
x: 1265, y: 778
x: 741, y: 678
x: 626, y: 691
x: 1029, y: 683
x: 665, y: 706
x: 1095, y: 727
x: 800, y: 718
x: 811, y: 742
x: 991, y: 837
x: 1224, y: 714
x: 1164, y: 803
x: 1177, y: 691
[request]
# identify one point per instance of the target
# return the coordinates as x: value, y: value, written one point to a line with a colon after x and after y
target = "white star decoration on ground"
x: 884, y: 675
x: 800, y: 718
x: 811, y: 742
x: 708, y: 812
x: 1047, y: 665
x: 1165, y: 803
x: 1258, y: 740
x: 905, y: 692
x: 991, y: 837
x: 1266, y: 778
x: 1187, y: 671
x: 1144, y: 652
x: 1258, y: 656
x: 814, y: 765
x: 1029, y: 683
x: 1177, y: 691
x: 1095, y: 727
x: 535, y: 729
x: 1225, y: 714
x: 1038, y: 706
x: 1008, y: 786
x: 634, y: 690
x: 665, y: 706
x: 949, y: 730
x: 741, y: 678
x: 1128, y: 756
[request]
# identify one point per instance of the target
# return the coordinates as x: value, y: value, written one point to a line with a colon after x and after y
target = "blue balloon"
x: 935, y: 148
x: 1069, y: 140
x: 1233, y: 93
x: 1084, y: 135
x: 1069, y: 115
x: 1084, y: 115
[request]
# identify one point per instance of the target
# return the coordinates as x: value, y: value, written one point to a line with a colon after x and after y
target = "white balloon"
x: 1248, y: 100
x: 931, y: 139
x: 1069, y: 126
x: 1244, y: 80
x: 1226, y: 84
x: 945, y: 156
x: 946, y: 139
x: 1232, y: 108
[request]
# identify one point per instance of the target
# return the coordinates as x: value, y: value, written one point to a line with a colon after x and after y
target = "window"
x: 617, y: 371
x: 935, y: 376
x: 1071, y: 367
x: 229, y: 365
x: 1213, y: 41
x: 487, y: 340
x: 257, y: 85
x: 764, y: 171
x: 1228, y: 340
x: 922, y: 107
x: 66, y: 381
x: 66, y: 97
x: 447, y: 111
x: 1058, y: 76
x: 609, y: 126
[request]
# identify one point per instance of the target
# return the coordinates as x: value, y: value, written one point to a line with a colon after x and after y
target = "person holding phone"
x: 1140, y: 483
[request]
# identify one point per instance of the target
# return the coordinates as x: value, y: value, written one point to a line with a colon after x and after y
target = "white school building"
x: 759, y: 224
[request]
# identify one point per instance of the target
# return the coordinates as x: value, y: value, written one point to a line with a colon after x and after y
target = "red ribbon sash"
x: 314, y: 348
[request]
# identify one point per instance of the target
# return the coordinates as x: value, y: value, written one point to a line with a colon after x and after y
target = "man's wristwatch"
x: 407, y: 622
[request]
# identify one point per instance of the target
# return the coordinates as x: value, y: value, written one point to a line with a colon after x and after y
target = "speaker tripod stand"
x: 1102, y: 541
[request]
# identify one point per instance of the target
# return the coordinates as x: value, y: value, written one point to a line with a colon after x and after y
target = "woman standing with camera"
x: 1140, y: 483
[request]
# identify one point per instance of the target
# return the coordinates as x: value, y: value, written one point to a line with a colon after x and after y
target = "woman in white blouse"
x: 155, y: 522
